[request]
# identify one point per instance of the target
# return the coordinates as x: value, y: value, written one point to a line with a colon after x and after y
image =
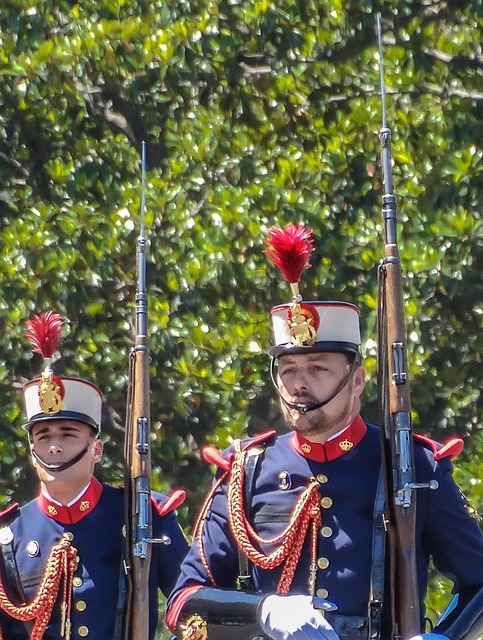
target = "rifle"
x: 137, y: 456
x: 395, y: 407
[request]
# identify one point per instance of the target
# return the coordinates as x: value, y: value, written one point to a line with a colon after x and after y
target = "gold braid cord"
x: 198, y: 528
x: 305, y: 512
x: 60, y: 568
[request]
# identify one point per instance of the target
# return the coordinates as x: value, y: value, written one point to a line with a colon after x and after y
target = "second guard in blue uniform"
x: 290, y: 543
x: 61, y: 554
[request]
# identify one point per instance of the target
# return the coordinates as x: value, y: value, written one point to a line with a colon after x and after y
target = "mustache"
x: 304, y: 398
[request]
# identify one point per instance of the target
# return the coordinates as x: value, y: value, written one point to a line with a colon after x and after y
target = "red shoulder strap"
x: 212, y: 455
x: 10, y: 511
x: 173, y: 502
x: 450, y: 449
x: 258, y: 439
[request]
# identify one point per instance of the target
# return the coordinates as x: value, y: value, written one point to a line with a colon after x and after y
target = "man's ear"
x: 97, y: 448
x: 359, y: 380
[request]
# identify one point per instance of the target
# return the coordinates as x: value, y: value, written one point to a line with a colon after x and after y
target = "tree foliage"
x: 255, y: 114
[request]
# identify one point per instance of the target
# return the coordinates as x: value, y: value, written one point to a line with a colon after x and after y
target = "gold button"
x: 326, y: 502
x: 322, y: 478
x: 323, y: 563
x: 326, y: 532
x: 77, y: 581
x: 83, y: 631
x: 322, y: 593
x: 68, y: 535
x: 80, y: 605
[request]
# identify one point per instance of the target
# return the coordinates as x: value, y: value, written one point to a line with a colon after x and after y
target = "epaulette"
x: 450, y: 449
x: 212, y: 455
x: 173, y: 502
x: 8, y: 515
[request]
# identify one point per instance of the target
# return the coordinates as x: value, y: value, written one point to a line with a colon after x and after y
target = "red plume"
x: 45, y: 332
x: 289, y: 249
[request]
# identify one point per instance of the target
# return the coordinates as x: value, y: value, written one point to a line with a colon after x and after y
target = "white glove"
x: 296, y: 618
x: 429, y: 636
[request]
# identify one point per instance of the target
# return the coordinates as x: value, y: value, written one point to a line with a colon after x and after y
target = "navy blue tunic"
x: 98, y: 540
x: 445, y: 530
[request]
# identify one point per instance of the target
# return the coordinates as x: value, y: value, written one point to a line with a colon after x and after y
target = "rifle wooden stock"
x: 398, y: 460
x: 395, y: 409
x: 137, y: 465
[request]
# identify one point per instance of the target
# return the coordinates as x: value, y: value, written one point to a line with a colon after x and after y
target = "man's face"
x: 58, y: 441
x: 313, y: 377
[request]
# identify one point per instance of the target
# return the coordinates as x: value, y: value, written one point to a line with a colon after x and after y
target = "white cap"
x: 303, y: 327
x: 53, y: 398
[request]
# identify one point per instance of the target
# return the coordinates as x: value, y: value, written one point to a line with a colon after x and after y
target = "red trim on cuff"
x: 177, y: 605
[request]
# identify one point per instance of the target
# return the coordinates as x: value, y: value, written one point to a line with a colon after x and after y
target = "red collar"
x: 332, y: 449
x: 76, y: 511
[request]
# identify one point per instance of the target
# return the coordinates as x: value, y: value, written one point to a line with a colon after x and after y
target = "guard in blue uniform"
x: 290, y: 543
x: 61, y: 554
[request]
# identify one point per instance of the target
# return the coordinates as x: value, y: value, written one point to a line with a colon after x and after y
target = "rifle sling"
x: 245, y: 577
x: 13, y: 579
x: 121, y: 604
x: 378, y: 562
x: 12, y: 573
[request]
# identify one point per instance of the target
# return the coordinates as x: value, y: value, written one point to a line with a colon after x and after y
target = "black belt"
x: 348, y: 627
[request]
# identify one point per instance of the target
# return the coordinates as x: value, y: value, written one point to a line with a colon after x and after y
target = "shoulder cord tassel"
x: 61, y: 567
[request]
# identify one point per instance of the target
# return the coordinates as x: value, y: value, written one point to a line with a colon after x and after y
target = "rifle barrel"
x: 137, y: 449
x: 395, y: 402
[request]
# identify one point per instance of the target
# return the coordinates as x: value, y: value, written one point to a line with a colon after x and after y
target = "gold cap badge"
x: 50, y: 393
x: 301, y: 323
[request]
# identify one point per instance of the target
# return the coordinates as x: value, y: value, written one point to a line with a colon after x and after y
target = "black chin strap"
x: 55, y: 468
x: 311, y: 406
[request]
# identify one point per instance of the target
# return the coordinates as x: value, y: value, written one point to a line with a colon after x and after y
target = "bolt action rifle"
x: 137, y: 457
x: 395, y: 408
